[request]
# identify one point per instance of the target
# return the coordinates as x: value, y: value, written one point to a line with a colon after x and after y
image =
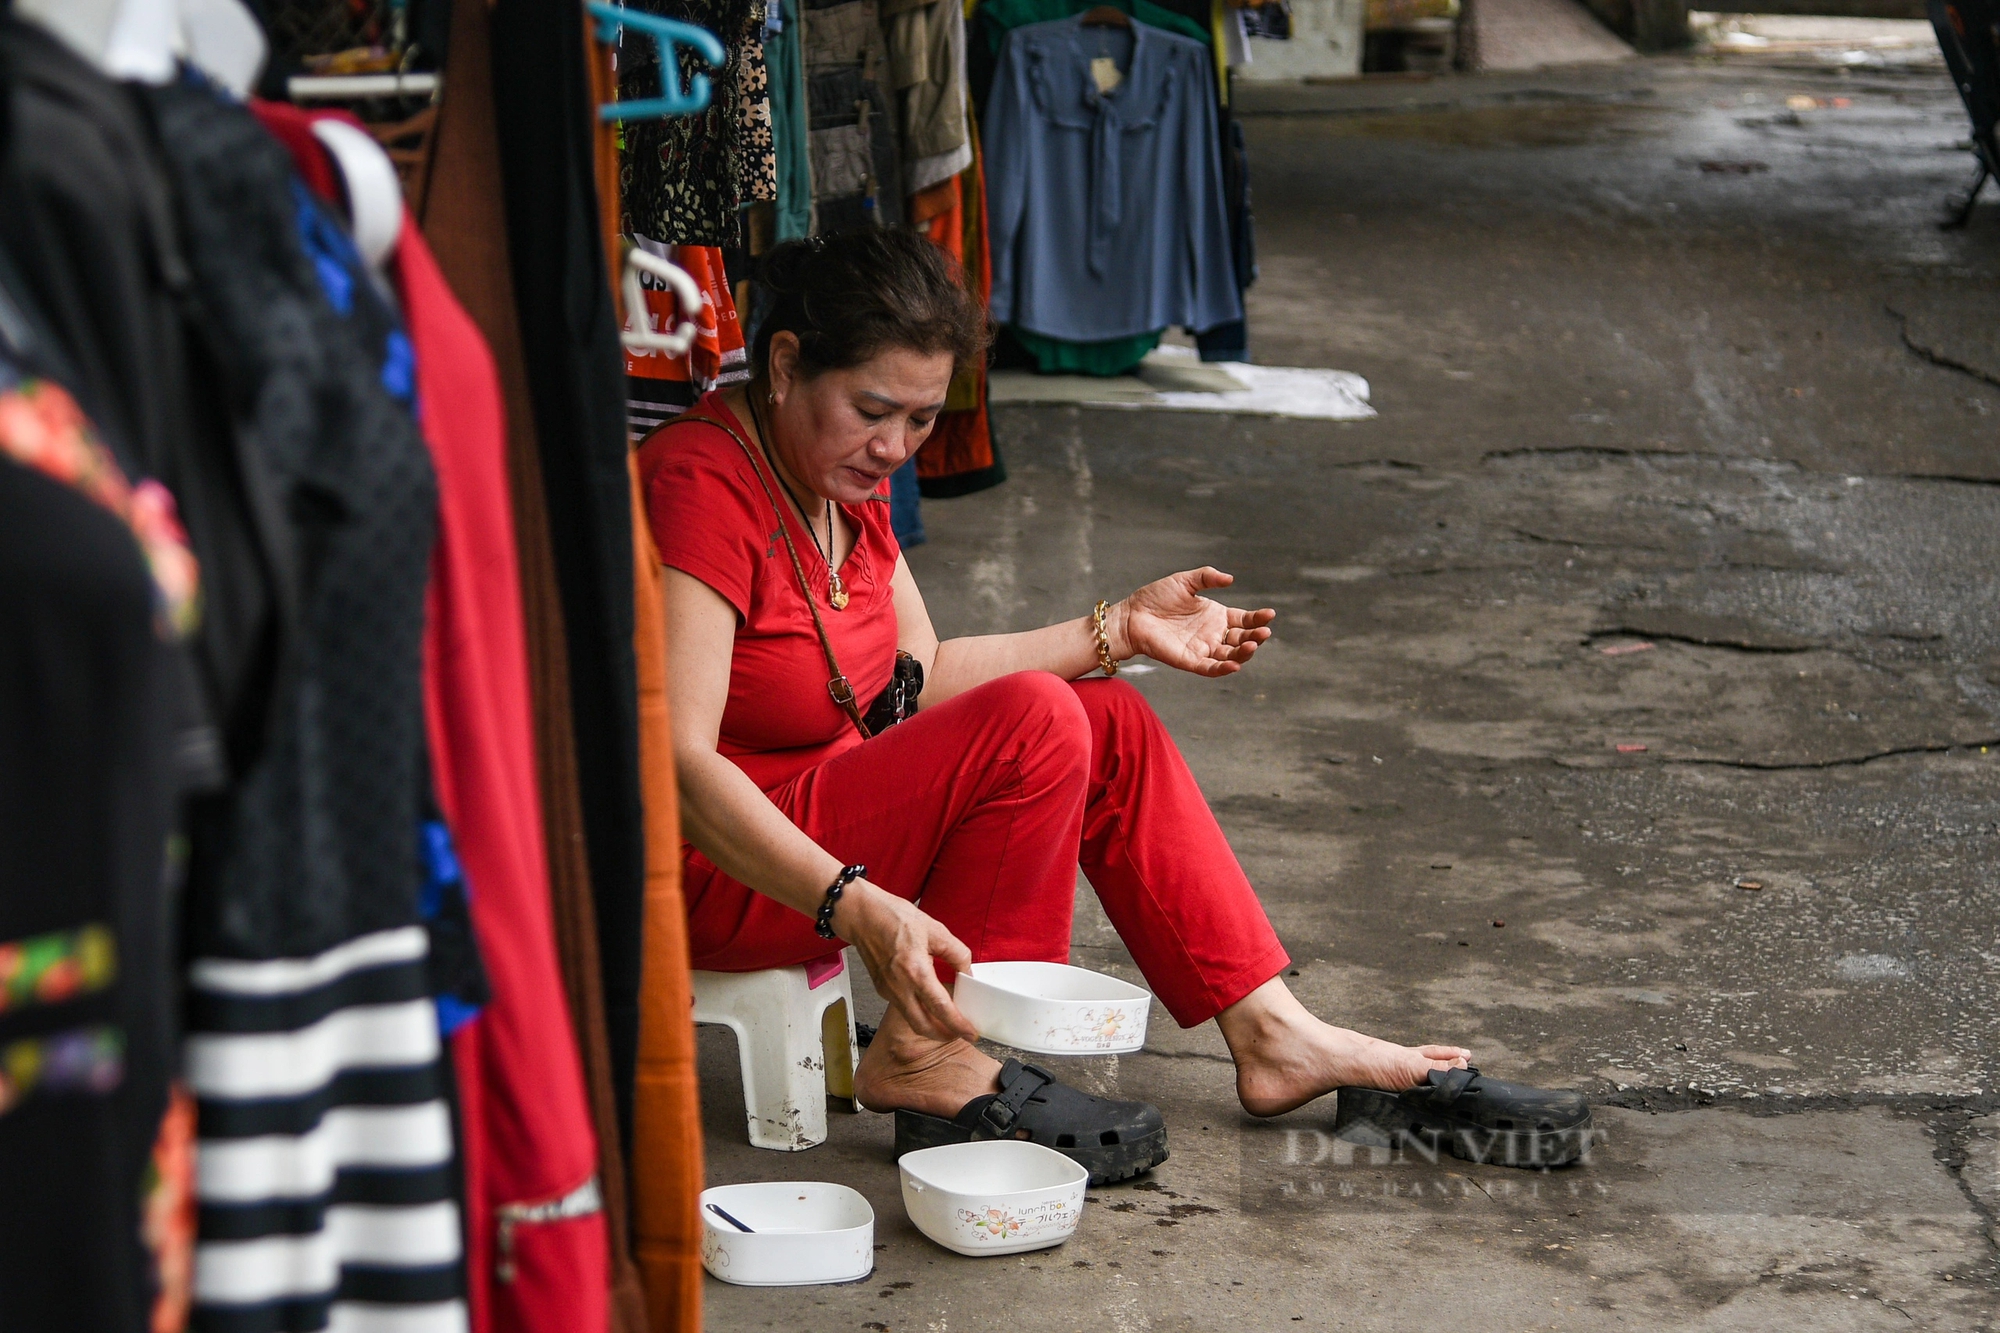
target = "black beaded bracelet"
x: 823, y: 923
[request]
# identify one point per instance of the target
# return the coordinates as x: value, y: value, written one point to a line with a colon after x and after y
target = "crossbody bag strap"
x: 839, y: 687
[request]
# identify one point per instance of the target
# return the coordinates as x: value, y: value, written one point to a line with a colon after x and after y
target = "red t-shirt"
x: 711, y: 519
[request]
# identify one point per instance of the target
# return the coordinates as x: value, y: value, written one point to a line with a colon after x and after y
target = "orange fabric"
x: 718, y: 339
x: 666, y: 1128
x: 169, y: 1217
x: 962, y: 440
x: 604, y: 151
x: 935, y: 205
x: 946, y: 229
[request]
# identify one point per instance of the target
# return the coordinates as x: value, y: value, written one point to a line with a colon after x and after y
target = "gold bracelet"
x: 1104, y: 658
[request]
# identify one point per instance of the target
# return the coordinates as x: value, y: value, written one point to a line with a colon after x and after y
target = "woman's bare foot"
x: 903, y: 1071
x: 1285, y: 1057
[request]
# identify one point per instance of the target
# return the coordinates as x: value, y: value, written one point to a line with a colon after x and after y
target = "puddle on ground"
x: 1540, y: 126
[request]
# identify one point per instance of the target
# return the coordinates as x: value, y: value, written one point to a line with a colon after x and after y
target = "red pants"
x: 981, y: 808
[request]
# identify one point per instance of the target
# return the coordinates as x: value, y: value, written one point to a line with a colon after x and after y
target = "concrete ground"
x: 1664, y: 360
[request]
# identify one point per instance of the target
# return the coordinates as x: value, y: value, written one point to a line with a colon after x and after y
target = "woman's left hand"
x: 1170, y: 621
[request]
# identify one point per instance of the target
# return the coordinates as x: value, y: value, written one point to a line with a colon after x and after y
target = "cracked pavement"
x: 1666, y: 571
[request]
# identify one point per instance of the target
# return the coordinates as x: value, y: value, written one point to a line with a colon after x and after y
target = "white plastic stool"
x: 795, y: 1038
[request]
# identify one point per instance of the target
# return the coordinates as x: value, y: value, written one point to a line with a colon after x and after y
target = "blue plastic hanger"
x: 668, y: 34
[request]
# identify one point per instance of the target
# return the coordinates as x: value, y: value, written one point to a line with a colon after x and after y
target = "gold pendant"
x: 836, y: 592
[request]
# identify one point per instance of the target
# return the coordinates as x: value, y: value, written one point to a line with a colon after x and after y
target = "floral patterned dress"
x: 684, y: 179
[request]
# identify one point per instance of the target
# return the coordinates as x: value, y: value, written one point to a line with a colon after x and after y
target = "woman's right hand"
x: 897, y: 941
x: 1170, y: 621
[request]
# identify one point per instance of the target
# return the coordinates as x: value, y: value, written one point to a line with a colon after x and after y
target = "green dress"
x: 1113, y: 356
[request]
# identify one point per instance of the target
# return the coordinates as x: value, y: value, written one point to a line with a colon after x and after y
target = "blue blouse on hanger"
x: 1106, y: 208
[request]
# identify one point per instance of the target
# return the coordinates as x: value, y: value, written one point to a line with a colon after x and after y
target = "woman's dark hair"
x: 849, y: 296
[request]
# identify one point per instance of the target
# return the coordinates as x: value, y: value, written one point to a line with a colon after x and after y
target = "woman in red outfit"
x: 972, y: 815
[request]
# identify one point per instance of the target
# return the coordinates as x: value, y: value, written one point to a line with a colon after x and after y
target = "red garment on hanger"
x: 528, y: 1137
x: 292, y: 127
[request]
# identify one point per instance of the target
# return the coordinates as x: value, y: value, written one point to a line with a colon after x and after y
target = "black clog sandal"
x: 1113, y: 1140
x: 1471, y: 1116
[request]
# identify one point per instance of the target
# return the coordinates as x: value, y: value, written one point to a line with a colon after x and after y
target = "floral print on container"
x: 1052, y: 1217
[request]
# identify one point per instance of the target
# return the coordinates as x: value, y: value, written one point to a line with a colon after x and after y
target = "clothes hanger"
x: 145, y: 39
x: 127, y: 39
x: 224, y: 41
x: 668, y: 35
x: 374, y: 193
x: 1107, y: 16
x: 84, y: 24
x: 638, y: 335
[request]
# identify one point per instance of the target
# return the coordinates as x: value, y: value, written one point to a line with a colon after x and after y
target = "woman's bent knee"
x: 1033, y: 697
x: 1042, y: 711
x: 1118, y: 698
x: 1119, y: 714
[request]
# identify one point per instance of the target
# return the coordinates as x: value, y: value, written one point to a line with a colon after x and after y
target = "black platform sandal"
x: 1113, y: 1140
x: 1471, y: 1116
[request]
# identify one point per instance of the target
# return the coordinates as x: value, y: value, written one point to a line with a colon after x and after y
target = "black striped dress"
x: 325, y: 1165
x: 325, y: 1168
